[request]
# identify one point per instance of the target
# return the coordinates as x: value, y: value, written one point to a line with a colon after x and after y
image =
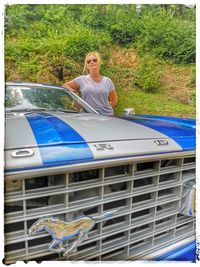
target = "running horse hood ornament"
x: 62, y: 231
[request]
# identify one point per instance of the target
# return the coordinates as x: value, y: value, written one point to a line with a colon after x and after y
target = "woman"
x: 97, y: 90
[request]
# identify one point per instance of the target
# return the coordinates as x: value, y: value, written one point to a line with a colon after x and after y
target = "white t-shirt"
x: 96, y: 94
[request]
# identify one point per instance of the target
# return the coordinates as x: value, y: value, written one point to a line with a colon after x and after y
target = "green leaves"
x: 148, y: 74
x: 81, y: 40
x: 167, y: 37
x: 40, y: 37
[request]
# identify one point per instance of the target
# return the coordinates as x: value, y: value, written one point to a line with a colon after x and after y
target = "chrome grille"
x: 146, y: 193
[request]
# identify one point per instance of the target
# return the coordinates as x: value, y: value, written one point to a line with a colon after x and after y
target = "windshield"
x: 27, y: 98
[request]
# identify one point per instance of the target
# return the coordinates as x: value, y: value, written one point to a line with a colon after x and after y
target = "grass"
x: 155, y: 104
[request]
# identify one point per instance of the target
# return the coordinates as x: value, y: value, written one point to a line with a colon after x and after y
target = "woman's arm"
x: 113, y: 98
x: 72, y: 84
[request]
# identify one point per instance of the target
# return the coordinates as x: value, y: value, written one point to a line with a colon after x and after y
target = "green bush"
x: 35, y: 33
x: 17, y: 16
x: 93, y: 16
x: 81, y: 40
x: 28, y: 17
x: 167, y: 37
x: 147, y: 75
x: 123, y: 23
x: 73, y: 44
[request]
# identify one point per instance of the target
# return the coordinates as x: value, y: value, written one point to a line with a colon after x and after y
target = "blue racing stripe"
x: 58, y: 142
x: 181, y: 134
x: 66, y: 154
x: 182, y: 121
x: 50, y: 129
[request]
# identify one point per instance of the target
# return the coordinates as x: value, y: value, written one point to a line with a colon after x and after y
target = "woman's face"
x: 92, y: 63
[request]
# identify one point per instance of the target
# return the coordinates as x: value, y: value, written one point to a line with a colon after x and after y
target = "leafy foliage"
x: 124, y: 25
x: 167, y: 37
x: 75, y: 29
x: 148, y: 74
x: 80, y: 40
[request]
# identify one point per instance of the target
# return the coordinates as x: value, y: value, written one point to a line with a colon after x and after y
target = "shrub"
x: 81, y: 40
x: 123, y: 23
x: 70, y: 31
x: 93, y: 16
x: 167, y: 37
x: 17, y: 16
x: 147, y: 76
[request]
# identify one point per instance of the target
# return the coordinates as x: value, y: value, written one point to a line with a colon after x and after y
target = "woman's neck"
x: 95, y: 74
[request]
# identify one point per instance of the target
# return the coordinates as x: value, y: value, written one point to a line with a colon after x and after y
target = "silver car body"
x: 54, y: 144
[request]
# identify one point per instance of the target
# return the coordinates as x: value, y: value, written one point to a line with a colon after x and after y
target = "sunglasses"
x: 91, y: 60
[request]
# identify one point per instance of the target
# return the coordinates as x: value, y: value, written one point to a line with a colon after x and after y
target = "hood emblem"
x: 103, y: 146
x: 21, y: 153
x: 61, y: 230
x: 161, y: 142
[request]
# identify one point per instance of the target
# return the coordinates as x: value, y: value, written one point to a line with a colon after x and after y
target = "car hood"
x: 59, y: 138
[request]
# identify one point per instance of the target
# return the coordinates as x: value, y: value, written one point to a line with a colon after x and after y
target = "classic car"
x: 129, y: 180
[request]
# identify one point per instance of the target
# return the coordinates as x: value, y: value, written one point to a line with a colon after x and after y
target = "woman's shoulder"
x: 107, y: 79
x: 81, y: 77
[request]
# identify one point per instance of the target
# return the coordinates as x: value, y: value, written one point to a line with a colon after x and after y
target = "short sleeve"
x: 111, y: 86
x: 79, y: 80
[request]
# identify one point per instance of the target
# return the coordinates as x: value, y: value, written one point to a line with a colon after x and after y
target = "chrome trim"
x: 94, y: 164
x: 103, y: 146
x: 161, y: 142
x: 22, y: 153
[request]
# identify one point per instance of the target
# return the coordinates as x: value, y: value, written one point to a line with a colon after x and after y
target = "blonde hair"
x: 94, y: 53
